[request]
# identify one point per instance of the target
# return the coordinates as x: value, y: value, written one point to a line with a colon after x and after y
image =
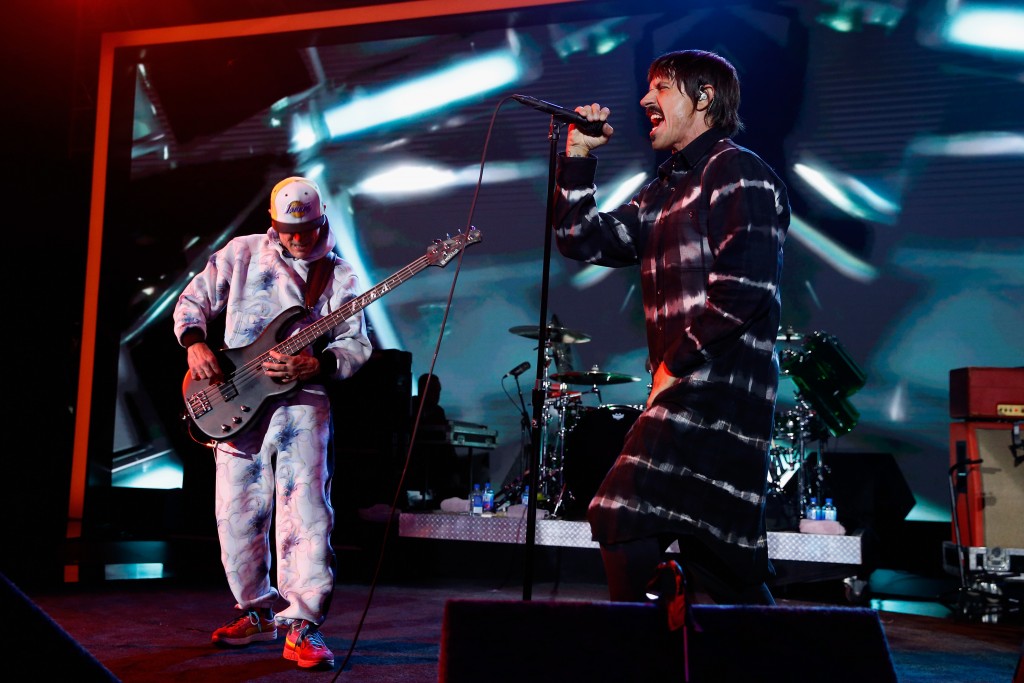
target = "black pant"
x: 631, y: 565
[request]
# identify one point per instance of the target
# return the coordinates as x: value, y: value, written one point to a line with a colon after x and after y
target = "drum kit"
x: 824, y: 376
x: 578, y: 443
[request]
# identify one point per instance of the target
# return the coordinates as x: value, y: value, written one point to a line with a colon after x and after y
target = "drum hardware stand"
x: 564, y: 494
x: 551, y: 440
x: 804, y: 414
x: 552, y: 453
x: 806, y: 484
x: 555, y: 474
x: 553, y: 469
x: 525, y: 433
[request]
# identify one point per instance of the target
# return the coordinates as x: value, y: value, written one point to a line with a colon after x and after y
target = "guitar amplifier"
x: 990, y: 490
x: 986, y: 393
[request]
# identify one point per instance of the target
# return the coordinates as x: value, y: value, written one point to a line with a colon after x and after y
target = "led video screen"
x: 902, y: 152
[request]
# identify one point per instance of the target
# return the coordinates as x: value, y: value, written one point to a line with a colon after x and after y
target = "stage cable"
x: 419, y: 410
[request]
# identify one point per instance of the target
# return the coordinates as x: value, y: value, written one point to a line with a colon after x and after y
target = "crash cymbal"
x: 556, y: 334
x: 594, y: 378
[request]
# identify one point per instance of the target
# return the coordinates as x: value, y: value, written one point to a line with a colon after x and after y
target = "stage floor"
x: 159, y: 631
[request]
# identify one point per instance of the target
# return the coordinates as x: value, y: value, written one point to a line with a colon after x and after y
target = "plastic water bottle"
x: 828, y: 512
x: 476, y: 501
x: 813, y: 509
x: 526, y: 495
x: 488, y: 499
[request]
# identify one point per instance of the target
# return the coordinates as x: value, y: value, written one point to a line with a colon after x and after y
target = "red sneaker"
x: 305, y: 644
x: 246, y: 628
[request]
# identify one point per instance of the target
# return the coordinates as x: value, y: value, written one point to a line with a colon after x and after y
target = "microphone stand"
x: 539, y: 389
x: 524, y: 427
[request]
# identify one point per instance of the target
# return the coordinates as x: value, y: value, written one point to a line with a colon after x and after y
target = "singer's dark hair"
x: 693, y: 69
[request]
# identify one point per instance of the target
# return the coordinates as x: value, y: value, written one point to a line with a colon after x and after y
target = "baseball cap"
x: 295, y: 205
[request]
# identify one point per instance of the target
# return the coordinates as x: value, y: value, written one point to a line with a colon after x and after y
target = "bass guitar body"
x: 223, y: 409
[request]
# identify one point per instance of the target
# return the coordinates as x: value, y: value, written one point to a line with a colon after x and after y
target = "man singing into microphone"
x: 707, y: 233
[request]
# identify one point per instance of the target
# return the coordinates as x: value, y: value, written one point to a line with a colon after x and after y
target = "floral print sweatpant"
x: 279, y: 471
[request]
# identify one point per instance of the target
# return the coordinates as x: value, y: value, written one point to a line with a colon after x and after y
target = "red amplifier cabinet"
x: 989, y: 494
x: 986, y: 393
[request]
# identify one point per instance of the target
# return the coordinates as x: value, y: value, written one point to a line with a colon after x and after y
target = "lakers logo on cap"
x: 295, y: 205
x: 298, y: 210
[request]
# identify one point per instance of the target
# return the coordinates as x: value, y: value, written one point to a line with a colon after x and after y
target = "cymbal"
x: 556, y: 334
x: 593, y: 377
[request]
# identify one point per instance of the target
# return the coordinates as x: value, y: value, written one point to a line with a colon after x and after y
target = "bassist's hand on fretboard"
x: 291, y: 368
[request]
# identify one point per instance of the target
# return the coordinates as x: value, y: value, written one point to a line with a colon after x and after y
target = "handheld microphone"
x: 518, y: 370
x: 587, y: 127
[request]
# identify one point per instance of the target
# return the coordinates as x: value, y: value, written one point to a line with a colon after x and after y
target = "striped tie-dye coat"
x: 708, y: 236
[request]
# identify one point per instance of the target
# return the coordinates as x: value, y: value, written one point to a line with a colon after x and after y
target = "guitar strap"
x: 316, y: 281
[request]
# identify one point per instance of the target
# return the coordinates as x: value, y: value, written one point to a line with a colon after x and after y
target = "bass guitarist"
x: 277, y: 467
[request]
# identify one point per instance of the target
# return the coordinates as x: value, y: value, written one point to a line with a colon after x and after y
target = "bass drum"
x: 591, y: 447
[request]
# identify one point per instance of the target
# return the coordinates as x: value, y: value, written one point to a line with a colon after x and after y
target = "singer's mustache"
x: 652, y: 109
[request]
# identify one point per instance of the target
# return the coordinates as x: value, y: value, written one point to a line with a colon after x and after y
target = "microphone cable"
x: 419, y: 409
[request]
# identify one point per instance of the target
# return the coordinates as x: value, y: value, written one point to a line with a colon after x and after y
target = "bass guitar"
x: 224, y: 409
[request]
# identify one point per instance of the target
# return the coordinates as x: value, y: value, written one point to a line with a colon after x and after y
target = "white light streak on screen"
x: 994, y: 28
x: 463, y: 81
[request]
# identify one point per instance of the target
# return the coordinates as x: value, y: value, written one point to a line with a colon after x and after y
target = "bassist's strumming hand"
x: 202, y: 363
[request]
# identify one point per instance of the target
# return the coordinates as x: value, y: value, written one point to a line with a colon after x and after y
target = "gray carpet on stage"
x: 433, y: 630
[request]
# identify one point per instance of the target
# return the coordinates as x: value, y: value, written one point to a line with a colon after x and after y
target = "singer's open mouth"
x: 657, y: 118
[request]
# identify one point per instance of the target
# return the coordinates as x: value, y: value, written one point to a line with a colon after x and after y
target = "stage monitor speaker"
x: 989, y: 494
x: 552, y: 642
x: 61, y: 655
x: 868, y: 489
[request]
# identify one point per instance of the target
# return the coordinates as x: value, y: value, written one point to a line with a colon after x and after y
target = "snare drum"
x: 561, y: 411
x: 591, y: 447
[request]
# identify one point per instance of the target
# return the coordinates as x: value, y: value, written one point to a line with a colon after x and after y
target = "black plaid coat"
x: 707, y: 234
